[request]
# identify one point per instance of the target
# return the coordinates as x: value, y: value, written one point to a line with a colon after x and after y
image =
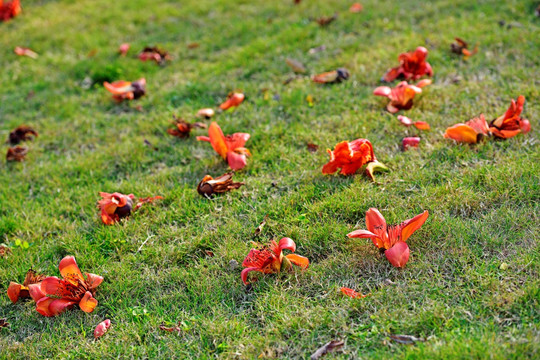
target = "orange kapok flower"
x: 156, y: 54
x: 511, y: 123
x: 461, y: 47
x: 471, y: 132
x: 233, y: 100
x: 401, y: 97
x: 230, y: 147
x: 22, y: 133
x: 412, y: 66
x: 10, y: 9
x: 392, y: 238
x: 270, y: 259
x: 351, y: 293
x: 72, y: 289
x: 420, y: 125
x: 335, y: 76
x: 29, y: 288
x: 22, y: 51
x: 210, y: 186
x: 125, y: 90
x: 351, y: 156
x: 183, y: 128
x: 117, y: 206
x: 410, y: 142
x: 16, y: 153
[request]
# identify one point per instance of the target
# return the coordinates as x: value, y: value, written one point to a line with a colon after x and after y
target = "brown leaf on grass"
x: 193, y: 45
x: 176, y: 329
x: 296, y: 2
x: 4, y: 250
x: 326, y: 348
x: 209, y: 253
x: 183, y: 128
x: 17, y: 153
x: 3, y: 323
x: 312, y: 147
x: 406, y: 339
x: 326, y: 20
x: 260, y: 228
x: 22, y: 133
x: 210, y: 186
x: 296, y: 66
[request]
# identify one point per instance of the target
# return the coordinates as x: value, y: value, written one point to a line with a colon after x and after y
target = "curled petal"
x: 35, y: 291
x: 287, y: 243
x: 298, y: 260
x: 236, y: 161
x: 382, y: 91
x: 14, y: 291
x: 70, y: 271
x: 102, y: 328
x: 246, y: 271
x: 462, y: 133
x: 217, y: 139
x: 398, y: 255
x: 88, y: 303
x: 525, y: 126
x: 364, y: 234
x: 411, y: 225
x: 405, y: 120
x: 93, y: 280
x: 424, y: 83
x: 51, y: 307
x: 203, y: 138
x: 233, y: 100
x: 351, y: 293
x: 422, y: 125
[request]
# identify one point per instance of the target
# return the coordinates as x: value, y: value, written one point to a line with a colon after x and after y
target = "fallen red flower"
x: 461, y: 47
x: 401, y: 97
x: 511, y: 123
x: 420, y: 125
x: 270, y: 259
x: 209, y: 186
x: 205, y: 113
x: 16, y: 153
x: 73, y: 288
x: 356, y: 8
x: 351, y: 293
x: 335, y: 76
x: 183, y: 128
x: 156, y: 54
x: 123, y: 49
x: 22, y: 51
x: 351, y: 156
x: 233, y: 100
x: 117, y: 206
x: 230, y: 147
x: 471, y: 132
x: 125, y: 90
x: 102, y: 328
x: 412, y: 66
x: 10, y: 9
x: 29, y: 288
x: 22, y: 133
x: 392, y: 238
x: 410, y: 142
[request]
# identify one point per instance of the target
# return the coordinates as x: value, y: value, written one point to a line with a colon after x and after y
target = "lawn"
x: 471, y: 286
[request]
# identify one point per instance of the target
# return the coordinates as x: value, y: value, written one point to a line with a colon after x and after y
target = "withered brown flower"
x: 209, y: 186
x: 326, y: 20
x: 3, y: 323
x: 183, y: 128
x: 16, y: 153
x: 22, y: 133
x: 4, y: 250
x: 160, y: 56
x: 461, y: 47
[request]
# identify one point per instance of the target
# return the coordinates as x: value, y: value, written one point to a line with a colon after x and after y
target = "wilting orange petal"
x: 422, y: 125
x: 88, y: 303
x: 93, y: 280
x: 70, y: 271
x: 461, y: 133
x: 356, y: 8
x: 423, y: 83
x: 217, y: 139
x: 248, y: 270
x: 234, y: 100
x: 287, y: 243
x: 413, y: 224
x: 51, y: 307
x: 298, y: 260
x: 13, y: 291
x: 102, y: 328
x: 382, y: 91
x: 351, y: 293
x: 398, y: 255
x: 410, y: 142
x: 35, y: 291
x: 236, y: 161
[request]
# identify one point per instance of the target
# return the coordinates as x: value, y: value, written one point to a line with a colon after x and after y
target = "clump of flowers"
x: 412, y: 66
x: 401, y: 97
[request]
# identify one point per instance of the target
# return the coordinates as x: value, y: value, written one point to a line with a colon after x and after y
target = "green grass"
x: 483, y: 199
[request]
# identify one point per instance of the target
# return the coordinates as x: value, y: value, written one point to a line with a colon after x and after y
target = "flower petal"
x: 69, y: 270
x: 35, y: 291
x: 382, y: 91
x: 411, y: 225
x: 462, y: 133
x: 351, y: 293
x: 298, y: 260
x: 14, y: 291
x: 287, y: 243
x: 217, y: 139
x: 102, y: 328
x: 51, y: 307
x: 422, y: 125
x: 93, y: 280
x: 405, y: 120
x: 236, y: 161
x: 88, y: 303
x: 363, y: 234
x: 398, y: 255
x: 246, y: 271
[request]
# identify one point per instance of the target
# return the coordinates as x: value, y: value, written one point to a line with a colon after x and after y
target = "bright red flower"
x: 125, y: 90
x: 10, y: 9
x: 230, y: 147
x: 72, y: 289
x: 351, y: 156
x: 233, y: 100
x: 401, y: 97
x: 117, y: 206
x: 420, y: 125
x: 511, y: 123
x: 412, y: 66
x: 270, y: 259
x: 29, y: 288
x: 391, y: 238
x: 410, y: 142
x: 471, y: 132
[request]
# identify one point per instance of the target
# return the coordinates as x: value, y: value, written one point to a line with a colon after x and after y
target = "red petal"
x: 413, y: 224
x: 363, y: 234
x: 102, y: 328
x: 462, y: 133
x: 236, y: 161
x: 246, y: 271
x: 382, y: 91
x: 298, y: 260
x: 69, y: 269
x: 405, y: 120
x: 351, y: 293
x: 422, y: 125
x: 93, y: 280
x: 398, y: 255
x: 35, y: 291
x: 13, y: 291
x: 409, y: 142
x: 287, y: 243
x: 88, y: 303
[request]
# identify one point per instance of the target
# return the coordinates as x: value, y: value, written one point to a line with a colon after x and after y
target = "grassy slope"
x: 483, y: 200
